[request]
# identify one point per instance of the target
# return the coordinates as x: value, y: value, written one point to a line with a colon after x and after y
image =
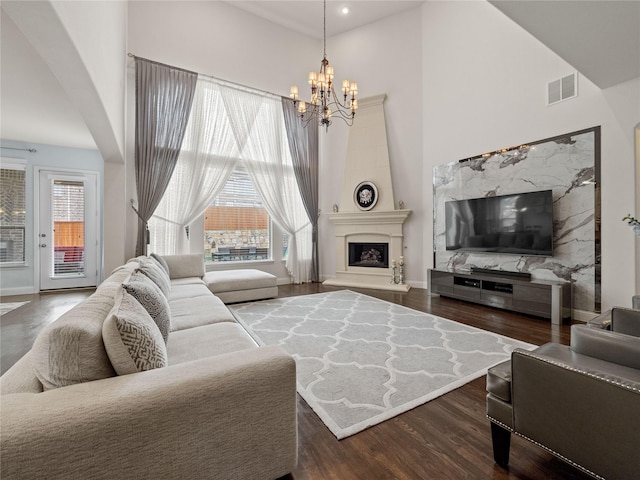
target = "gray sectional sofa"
x: 149, y: 377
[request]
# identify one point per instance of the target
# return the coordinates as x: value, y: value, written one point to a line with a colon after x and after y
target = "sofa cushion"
x: 152, y: 270
x: 186, y: 281
x: 132, y: 339
x: 197, y: 311
x: 499, y: 381
x: 241, y: 279
x: 252, y: 295
x: 152, y: 299
x: 187, y: 290
x: 70, y: 350
x: 125, y: 269
x: 189, y: 265
x: 206, y: 341
x: 161, y: 261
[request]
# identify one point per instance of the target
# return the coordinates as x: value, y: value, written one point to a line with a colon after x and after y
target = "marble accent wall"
x: 567, y: 165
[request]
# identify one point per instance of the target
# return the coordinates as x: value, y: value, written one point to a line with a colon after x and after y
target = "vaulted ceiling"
x: 601, y: 39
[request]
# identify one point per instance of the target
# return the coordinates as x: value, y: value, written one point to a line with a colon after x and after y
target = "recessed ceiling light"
x: 344, y: 10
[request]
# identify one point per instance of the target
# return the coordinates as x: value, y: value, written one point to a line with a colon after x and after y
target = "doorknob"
x: 43, y: 235
x: 42, y: 245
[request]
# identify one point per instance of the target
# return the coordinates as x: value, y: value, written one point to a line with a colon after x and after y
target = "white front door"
x: 68, y: 229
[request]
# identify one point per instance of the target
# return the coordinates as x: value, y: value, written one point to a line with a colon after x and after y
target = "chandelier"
x: 325, y: 104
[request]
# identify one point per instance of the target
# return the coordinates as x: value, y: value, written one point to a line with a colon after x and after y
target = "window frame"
x: 19, y: 165
x: 271, y: 225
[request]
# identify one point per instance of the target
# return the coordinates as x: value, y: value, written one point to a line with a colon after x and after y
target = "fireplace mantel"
x: 363, y: 218
x: 384, y: 226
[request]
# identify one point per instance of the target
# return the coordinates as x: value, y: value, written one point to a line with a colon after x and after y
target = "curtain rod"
x: 32, y: 150
x: 227, y: 82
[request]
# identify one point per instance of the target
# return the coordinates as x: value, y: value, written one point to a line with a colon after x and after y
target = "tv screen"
x: 521, y: 223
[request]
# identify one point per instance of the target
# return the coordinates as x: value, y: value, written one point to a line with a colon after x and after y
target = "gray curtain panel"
x: 164, y: 95
x: 303, y: 144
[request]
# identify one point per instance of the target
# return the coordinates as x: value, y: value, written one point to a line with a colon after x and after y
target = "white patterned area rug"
x: 10, y: 306
x: 361, y: 360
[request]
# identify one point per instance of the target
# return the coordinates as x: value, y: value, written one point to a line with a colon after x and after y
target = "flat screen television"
x: 520, y: 223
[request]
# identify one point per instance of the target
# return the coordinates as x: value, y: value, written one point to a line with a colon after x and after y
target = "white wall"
x: 383, y: 57
x: 484, y: 89
x: 21, y: 280
x: 84, y: 45
x: 98, y: 30
x: 217, y: 39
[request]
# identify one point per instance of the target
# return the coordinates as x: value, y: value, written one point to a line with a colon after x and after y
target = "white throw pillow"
x: 132, y: 339
x: 156, y: 273
x: 148, y: 294
x: 162, y: 262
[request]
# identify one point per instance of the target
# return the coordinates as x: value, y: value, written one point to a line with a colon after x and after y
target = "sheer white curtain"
x: 265, y: 154
x: 231, y: 124
x: 208, y: 156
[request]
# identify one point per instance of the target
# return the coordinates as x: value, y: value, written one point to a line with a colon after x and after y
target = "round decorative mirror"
x: 365, y: 195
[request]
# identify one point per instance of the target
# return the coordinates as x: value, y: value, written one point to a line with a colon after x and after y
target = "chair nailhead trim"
x: 498, y: 422
x: 562, y: 457
x: 579, y: 371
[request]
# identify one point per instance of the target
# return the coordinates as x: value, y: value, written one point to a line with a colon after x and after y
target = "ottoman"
x: 232, y: 286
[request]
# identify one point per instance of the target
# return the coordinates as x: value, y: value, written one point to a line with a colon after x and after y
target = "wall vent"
x: 562, y: 89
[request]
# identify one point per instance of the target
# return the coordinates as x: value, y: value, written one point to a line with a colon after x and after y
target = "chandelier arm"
x: 336, y: 101
x: 347, y: 120
x: 341, y: 114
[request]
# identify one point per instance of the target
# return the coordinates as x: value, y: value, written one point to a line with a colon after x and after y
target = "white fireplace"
x: 378, y: 229
x: 367, y: 227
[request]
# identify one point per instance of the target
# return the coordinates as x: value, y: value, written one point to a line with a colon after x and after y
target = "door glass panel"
x: 67, y: 203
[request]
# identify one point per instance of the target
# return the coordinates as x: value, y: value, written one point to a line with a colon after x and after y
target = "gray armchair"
x: 580, y: 402
x: 619, y: 319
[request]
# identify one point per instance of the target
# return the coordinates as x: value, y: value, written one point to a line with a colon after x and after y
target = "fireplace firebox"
x: 375, y: 255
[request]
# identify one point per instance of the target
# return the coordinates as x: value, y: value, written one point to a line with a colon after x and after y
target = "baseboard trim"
x: 583, y: 315
x: 5, y: 292
x: 419, y: 285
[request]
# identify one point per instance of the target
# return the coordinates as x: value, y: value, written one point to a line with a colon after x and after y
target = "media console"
x: 543, y: 298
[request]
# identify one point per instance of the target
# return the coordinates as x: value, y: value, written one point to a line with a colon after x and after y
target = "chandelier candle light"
x: 325, y: 104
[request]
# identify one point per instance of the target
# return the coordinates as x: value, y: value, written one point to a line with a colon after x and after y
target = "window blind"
x: 12, y: 212
x: 237, y: 225
x: 67, y: 203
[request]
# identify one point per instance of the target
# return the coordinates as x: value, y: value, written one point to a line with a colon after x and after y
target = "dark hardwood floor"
x: 446, y: 438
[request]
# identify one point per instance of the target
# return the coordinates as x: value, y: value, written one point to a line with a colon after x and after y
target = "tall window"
x: 12, y: 213
x: 235, y: 156
x: 236, y: 224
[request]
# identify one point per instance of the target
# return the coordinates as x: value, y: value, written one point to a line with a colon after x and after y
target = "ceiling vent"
x: 562, y: 89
